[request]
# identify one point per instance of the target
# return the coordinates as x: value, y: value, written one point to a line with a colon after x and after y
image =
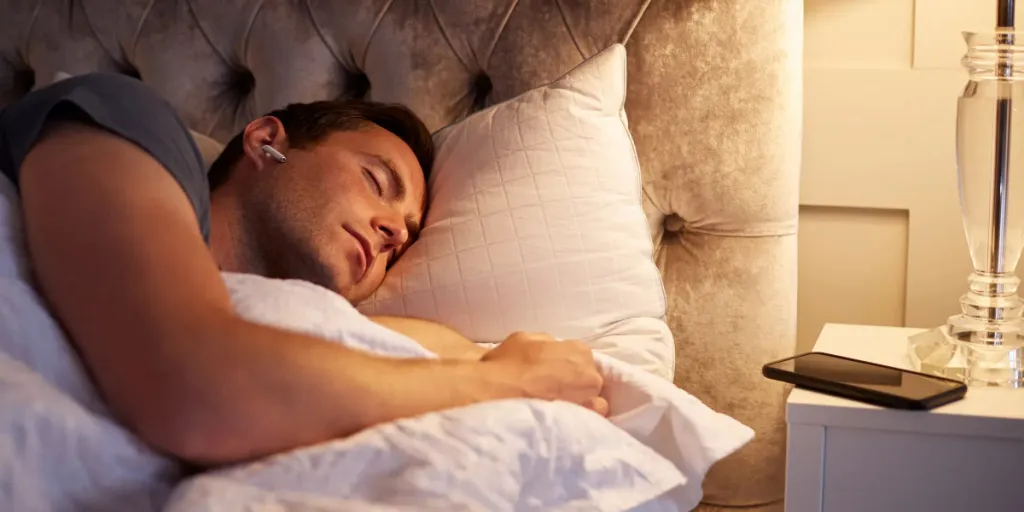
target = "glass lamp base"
x: 938, y: 352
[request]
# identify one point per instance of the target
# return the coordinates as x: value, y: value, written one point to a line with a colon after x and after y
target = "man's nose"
x: 392, y: 231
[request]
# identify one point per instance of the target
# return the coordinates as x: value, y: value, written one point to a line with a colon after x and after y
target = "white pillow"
x: 535, y: 224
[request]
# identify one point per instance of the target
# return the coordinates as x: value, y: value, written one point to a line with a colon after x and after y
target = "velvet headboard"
x: 714, y: 104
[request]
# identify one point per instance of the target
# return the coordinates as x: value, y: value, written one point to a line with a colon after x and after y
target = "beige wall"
x: 881, y: 240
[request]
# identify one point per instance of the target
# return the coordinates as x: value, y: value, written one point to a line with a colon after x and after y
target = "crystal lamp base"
x: 949, y: 352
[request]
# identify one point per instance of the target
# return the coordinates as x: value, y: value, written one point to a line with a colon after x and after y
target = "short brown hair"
x: 309, y: 123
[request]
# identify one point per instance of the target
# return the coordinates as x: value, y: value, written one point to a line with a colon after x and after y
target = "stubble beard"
x: 284, y: 249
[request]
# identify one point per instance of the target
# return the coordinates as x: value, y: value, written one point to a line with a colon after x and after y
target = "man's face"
x: 339, y: 212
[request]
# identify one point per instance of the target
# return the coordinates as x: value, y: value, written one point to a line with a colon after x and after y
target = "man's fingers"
x: 599, y: 405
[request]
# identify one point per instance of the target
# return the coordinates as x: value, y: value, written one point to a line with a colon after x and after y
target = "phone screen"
x: 868, y: 376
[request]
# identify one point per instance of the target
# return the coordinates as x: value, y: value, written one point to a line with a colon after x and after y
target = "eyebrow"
x: 413, y: 227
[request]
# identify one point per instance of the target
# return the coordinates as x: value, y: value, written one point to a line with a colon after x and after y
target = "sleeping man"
x: 127, y: 234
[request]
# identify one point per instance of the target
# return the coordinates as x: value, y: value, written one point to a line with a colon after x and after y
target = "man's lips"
x: 367, y: 252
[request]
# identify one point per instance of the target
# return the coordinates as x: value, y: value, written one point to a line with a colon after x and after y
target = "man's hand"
x: 543, y: 366
x: 549, y: 369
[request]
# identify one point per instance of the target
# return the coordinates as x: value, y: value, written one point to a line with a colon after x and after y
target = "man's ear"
x: 266, y: 130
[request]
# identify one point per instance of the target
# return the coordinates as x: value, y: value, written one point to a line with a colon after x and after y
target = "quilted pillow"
x: 535, y: 224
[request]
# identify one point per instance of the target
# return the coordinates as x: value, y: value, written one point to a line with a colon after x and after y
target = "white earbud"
x: 273, y: 153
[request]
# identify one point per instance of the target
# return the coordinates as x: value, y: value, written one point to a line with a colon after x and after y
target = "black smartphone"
x: 871, y: 383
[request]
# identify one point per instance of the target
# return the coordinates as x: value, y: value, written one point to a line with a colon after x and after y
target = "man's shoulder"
x: 121, y: 105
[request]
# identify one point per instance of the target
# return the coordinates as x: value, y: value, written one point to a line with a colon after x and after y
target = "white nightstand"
x: 842, y: 455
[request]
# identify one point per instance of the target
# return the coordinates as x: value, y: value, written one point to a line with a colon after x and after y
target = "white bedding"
x: 60, y: 450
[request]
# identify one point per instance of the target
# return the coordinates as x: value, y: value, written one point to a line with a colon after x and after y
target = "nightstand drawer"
x: 883, y: 470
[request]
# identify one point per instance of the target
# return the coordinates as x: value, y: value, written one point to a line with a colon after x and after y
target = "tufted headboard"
x: 714, y: 104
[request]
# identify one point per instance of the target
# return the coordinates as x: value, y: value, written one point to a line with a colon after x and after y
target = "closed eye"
x: 374, y: 182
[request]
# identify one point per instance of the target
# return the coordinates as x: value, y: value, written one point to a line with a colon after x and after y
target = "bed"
x: 714, y: 102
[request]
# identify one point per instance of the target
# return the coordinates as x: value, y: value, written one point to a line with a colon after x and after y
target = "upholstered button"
x: 482, y: 87
x: 357, y: 85
x: 241, y: 83
x: 674, y: 223
x: 130, y: 70
x: 24, y: 80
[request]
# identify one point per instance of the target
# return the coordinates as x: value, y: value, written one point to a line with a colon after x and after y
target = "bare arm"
x: 119, y: 256
x: 437, y: 338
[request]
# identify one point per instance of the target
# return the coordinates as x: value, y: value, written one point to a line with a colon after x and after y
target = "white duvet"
x: 61, y: 451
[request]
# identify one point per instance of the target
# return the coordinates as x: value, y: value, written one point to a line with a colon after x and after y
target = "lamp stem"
x: 1005, y: 14
x: 1004, y: 114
